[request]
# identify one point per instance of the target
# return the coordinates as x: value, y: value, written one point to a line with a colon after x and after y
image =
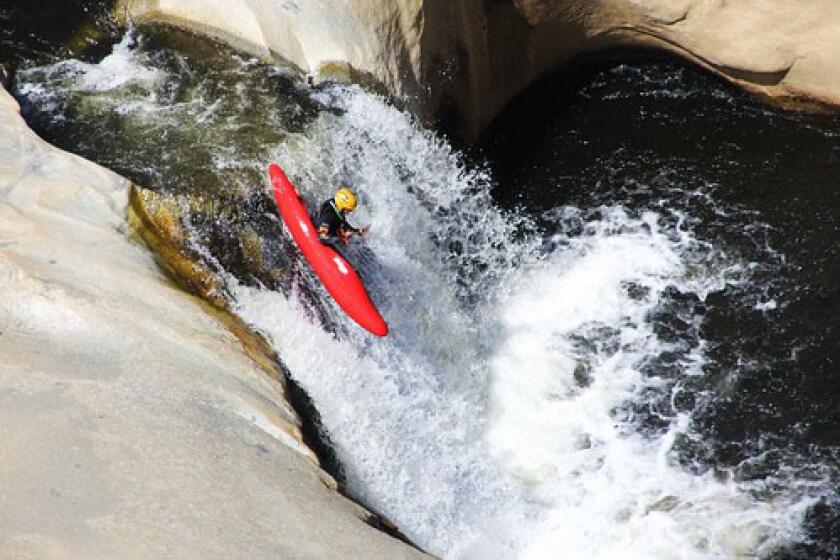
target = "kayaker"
x: 332, y: 220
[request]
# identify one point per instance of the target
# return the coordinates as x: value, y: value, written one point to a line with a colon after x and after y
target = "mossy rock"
x: 157, y: 221
x: 252, y: 248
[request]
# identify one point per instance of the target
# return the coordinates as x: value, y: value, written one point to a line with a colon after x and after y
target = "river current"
x: 613, y: 322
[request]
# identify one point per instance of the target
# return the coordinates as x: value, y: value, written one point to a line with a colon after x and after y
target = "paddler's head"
x: 345, y: 200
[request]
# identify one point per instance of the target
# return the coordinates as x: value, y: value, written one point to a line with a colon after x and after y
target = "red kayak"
x: 337, y: 275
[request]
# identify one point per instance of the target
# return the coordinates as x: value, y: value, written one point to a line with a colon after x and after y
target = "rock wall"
x: 133, y: 423
x: 463, y: 61
x: 781, y: 50
x: 371, y: 41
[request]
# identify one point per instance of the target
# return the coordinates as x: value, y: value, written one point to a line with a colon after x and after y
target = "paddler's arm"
x: 345, y: 230
x: 325, y: 219
x: 350, y: 231
x: 346, y: 227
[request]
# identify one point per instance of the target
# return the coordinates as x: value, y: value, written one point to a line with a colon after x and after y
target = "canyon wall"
x: 461, y: 62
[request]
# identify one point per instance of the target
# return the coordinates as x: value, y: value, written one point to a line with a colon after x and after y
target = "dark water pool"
x: 761, y: 184
x: 44, y: 30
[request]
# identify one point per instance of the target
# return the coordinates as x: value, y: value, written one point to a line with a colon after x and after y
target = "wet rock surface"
x: 134, y: 423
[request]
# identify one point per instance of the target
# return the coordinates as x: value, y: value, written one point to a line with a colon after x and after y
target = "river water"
x: 612, y: 322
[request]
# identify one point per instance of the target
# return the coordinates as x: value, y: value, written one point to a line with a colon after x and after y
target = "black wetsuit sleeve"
x: 327, y: 219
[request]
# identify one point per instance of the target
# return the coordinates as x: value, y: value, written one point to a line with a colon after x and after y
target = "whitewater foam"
x: 473, y: 426
x: 488, y: 424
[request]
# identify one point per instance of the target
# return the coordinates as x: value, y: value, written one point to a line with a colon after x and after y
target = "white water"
x: 467, y: 426
x: 123, y: 69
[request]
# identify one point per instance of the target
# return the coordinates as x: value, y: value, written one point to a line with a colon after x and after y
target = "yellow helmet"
x: 345, y: 199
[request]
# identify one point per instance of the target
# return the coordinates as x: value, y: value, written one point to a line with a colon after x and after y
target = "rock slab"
x: 132, y: 423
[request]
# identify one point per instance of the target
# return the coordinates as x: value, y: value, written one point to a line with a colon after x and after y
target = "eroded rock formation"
x: 464, y: 61
x: 133, y: 423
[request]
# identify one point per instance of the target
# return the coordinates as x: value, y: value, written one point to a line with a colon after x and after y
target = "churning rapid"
x: 552, y: 376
